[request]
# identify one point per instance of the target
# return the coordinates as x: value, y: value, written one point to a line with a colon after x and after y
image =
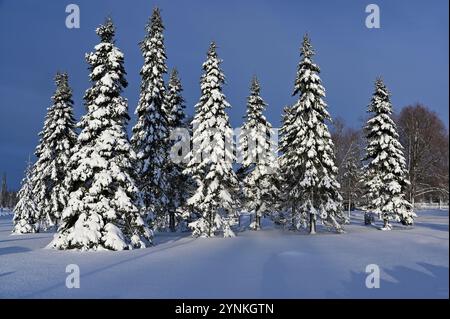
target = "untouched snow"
x: 271, y: 263
x: 5, y: 212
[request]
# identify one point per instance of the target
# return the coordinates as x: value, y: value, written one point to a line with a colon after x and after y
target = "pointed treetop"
x: 307, y: 50
x: 381, y: 99
x: 63, y: 90
x: 212, y: 50
x: 174, y: 75
x: 106, y: 31
x: 381, y: 87
x: 255, y: 88
x: 61, y: 79
x: 155, y: 23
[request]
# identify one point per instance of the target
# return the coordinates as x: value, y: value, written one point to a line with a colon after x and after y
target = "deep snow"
x: 271, y: 263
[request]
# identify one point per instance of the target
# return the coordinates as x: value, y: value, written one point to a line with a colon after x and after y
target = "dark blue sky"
x: 410, y: 51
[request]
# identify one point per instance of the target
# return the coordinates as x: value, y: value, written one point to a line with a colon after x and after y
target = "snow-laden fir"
x: 310, y: 188
x: 259, y: 163
x: 58, y: 138
x: 25, y: 212
x: 385, y: 175
x: 150, y: 134
x: 101, y: 212
x: 211, y: 158
x: 177, y: 182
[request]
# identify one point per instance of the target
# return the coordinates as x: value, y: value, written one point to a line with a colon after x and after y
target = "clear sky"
x: 262, y: 37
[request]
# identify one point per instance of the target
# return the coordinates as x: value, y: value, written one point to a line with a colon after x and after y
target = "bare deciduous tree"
x: 348, y: 149
x: 425, y: 139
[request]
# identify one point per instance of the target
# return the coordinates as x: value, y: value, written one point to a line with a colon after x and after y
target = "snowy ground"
x: 5, y: 212
x: 268, y: 264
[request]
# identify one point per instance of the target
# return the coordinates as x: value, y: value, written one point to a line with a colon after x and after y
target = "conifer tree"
x: 101, y: 212
x: 385, y: 175
x: 310, y: 188
x: 150, y: 134
x: 212, y: 155
x: 25, y: 212
x: 58, y: 138
x: 256, y: 146
x: 177, y: 181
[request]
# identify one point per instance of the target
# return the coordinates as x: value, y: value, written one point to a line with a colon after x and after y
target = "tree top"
x: 106, y: 31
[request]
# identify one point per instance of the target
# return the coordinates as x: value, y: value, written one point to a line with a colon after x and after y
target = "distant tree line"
x: 8, y: 197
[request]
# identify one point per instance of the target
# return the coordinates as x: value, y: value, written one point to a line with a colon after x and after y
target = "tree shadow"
x: 6, y: 273
x: 408, y: 283
x: 434, y: 226
x: 13, y: 250
x: 17, y: 238
x: 432, y: 212
x: 169, y: 237
x: 151, y: 250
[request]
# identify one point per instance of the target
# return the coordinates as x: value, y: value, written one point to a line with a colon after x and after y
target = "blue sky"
x: 410, y: 51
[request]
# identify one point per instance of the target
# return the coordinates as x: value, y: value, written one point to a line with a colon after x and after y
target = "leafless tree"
x: 425, y: 139
x: 348, y: 150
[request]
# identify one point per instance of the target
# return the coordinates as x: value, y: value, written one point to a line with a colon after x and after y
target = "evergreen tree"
x: 212, y: 155
x: 177, y: 181
x: 101, y: 212
x: 150, y: 134
x: 309, y: 173
x: 258, y: 159
x: 53, y: 152
x: 25, y: 212
x: 385, y: 173
x: 4, y: 192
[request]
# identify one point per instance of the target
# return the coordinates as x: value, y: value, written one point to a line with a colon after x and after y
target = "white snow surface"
x: 6, y: 212
x: 271, y: 263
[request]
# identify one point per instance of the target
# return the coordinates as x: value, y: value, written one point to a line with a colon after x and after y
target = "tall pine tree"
x: 58, y: 138
x: 25, y: 212
x: 150, y: 134
x: 385, y: 175
x: 310, y: 188
x: 101, y: 212
x: 212, y: 155
x: 177, y: 181
x: 259, y: 163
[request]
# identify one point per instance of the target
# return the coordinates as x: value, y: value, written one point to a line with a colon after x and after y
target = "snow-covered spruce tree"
x: 309, y: 173
x: 259, y: 162
x: 25, y: 212
x: 101, y: 212
x: 385, y: 175
x: 177, y: 181
x: 212, y: 156
x: 150, y: 134
x: 58, y: 138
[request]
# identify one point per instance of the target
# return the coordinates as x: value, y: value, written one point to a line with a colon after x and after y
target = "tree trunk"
x: 293, y: 217
x: 257, y: 222
x: 312, y: 217
x: 385, y: 223
x: 172, y: 221
x: 312, y: 224
x: 210, y: 224
x: 349, y: 205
